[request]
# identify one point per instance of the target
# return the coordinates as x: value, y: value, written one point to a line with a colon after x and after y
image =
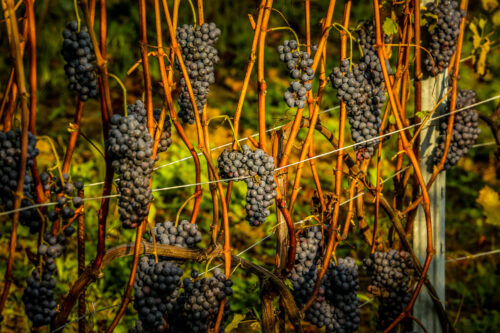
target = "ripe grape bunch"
x: 299, y: 64
x: 363, y: 101
x: 157, y: 283
x: 131, y: 148
x: 38, y: 297
x: 257, y: 169
x: 443, y: 34
x: 139, y: 110
x: 336, y: 305
x: 465, y: 130
x: 184, y: 235
x: 390, y: 274
x: 367, y: 40
x: 10, y: 153
x: 200, y: 57
x: 198, y: 306
x: 156, y: 288
x: 78, y: 52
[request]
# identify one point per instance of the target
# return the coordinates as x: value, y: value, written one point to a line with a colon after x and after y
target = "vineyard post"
x: 433, y: 89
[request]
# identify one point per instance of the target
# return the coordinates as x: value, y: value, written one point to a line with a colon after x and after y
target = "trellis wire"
x: 277, y: 169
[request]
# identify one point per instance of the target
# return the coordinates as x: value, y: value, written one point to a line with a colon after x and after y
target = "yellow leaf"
x: 489, y: 4
x: 234, y: 323
x: 489, y: 199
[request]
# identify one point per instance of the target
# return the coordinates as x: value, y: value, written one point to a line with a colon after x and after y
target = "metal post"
x: 433, y: 90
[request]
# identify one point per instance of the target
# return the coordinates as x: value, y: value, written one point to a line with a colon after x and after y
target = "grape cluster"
x: 156, y: 288
x: 390, y: 274
x: 131, y: 148
x: 139, y: 110
x: 10, y: 153
x: 257, y: 167
x: 38, y: 296
x: 336, y: 305
x: 363, y: 101
x: 65, y: 193
x: 443, y: 34
x: 200, y: 57
x: 299, y: 65
x: 198, y: 306
x: 465, y: 130
x: 78, y: 52
x: 367, y: 40
x: 184, y: 235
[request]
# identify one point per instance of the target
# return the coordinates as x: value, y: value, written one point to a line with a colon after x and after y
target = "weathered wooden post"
x: 433, y: 89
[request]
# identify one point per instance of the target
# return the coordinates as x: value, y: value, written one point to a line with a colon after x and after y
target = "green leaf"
x: 288, y: 283
x: 390, y: 27
x: 422, y: 114
x: 234, y: 323
x: 392, y: 120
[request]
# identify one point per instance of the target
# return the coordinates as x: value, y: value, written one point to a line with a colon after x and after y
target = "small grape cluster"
x: 38, y: 296
x: 199, y: 305
x: 465, y: 130
x: 336, y: 305
x: 200, y: 57
x: 65, y: 193
x: 131, y: 148
x: 185, y: 234
x: 78, y: 52
x: 156, y: 288
x: 299, y: 65
x: 10, y: 153
x: 390, y: 274
x: 257, y: 168
x: 363, y: 101
x: 139, y: 110
x: 443, y: 34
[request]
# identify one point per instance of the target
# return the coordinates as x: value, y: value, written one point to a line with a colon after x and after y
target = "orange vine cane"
x: 262, y: 86
x: 338, y: 174
x: 409, y: 151
x: 10, y: 17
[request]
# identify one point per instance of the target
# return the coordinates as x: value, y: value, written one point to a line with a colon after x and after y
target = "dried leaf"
x: 489, y: 199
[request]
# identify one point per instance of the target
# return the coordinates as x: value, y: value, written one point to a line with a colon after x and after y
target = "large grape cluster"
x: 200, y: 57
x: 184, y: 235
x: 10, y: 153
x: 131, y: 148
x: 38, y: 296
x: 363, y: 101
x: 443, y: 34
x: 336, y: 305
x: 256, y: 168
x: 78, y: 52
x: 390, y: 274
x: 299, y: 65
x: 139, y: 110
x: 156, y: 288
x: 465, y: 130
x: 198, y: 306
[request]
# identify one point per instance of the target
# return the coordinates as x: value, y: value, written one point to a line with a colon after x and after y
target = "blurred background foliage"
x: 472, y: 186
